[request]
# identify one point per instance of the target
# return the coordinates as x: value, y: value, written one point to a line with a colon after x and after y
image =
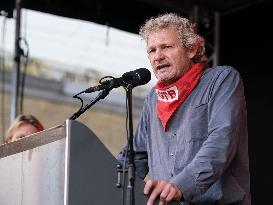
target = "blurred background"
x: 52, y: 49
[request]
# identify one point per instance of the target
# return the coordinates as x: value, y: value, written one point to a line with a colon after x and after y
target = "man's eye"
x: 151, y: 51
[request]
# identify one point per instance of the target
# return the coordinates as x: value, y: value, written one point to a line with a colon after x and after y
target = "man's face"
x: 22, y: 131
x: 169, y: 58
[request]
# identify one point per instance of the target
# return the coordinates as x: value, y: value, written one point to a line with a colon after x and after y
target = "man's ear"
x: 192, y: 53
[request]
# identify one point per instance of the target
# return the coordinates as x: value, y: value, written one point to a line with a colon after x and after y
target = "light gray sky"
x: 79, y: 44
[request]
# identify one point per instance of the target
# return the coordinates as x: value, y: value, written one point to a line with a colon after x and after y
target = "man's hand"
x: 164, y: 190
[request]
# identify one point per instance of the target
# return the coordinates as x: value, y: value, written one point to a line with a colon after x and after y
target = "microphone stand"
x: 130, y: 198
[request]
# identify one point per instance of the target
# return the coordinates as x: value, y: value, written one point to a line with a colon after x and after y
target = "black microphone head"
x: 140, y: 76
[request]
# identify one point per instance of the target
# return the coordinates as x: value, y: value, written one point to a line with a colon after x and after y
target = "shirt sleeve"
x: 226, y: 109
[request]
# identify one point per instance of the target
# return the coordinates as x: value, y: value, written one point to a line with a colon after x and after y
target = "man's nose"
x: 159, y: 55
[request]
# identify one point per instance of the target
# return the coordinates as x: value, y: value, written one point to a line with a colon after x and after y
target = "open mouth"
x: 162, y: 66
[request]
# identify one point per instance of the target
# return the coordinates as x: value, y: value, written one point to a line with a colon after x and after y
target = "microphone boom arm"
x: 100, y: 96
x: 130, y: 80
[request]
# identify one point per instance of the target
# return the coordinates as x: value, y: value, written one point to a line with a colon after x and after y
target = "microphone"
x: 140, y: 76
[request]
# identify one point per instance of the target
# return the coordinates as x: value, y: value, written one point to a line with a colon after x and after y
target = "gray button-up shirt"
x: 204, y: 149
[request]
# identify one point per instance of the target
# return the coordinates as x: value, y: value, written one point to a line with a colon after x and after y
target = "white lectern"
x: 64, y: 165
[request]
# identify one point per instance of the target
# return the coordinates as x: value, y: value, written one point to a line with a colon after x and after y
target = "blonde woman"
x: 22, y: 126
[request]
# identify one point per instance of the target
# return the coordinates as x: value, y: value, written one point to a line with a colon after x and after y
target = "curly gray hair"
x: 185, y: 29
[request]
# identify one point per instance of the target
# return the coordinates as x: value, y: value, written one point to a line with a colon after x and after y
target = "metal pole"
x: 15, y: 75
x: 130, y: 195
x: 196, y: 17
x: 216, y: 38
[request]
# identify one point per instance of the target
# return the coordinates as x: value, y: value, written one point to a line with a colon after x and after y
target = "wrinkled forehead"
x: 163, y: 36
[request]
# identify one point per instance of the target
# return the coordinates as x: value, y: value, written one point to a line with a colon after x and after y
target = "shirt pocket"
x: 194, y: 133
x: 197, y: 128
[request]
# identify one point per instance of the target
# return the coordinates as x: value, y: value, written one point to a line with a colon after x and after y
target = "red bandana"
x: 170, y: 97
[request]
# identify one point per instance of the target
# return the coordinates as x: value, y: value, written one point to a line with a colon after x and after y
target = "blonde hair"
x: 185, y: 30
x: 22, y: 119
